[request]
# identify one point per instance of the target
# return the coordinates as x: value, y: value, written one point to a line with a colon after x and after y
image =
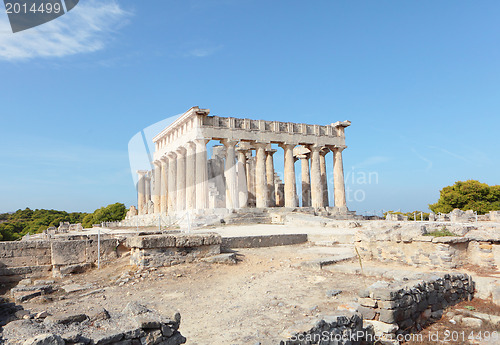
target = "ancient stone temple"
x: 241, y: 171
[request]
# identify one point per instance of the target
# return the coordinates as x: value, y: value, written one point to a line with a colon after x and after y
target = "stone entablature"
x: 196, y: 124
x: 183, y: 178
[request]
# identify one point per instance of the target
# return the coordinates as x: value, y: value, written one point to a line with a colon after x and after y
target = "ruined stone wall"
x: 415, y: 246
x: 19, y: 259
x: 418, y: 252
x: 438, y: 252
x: 167, y: 250
x: 337, y: 329
x: 394, y: 309
x: 24, y: 253
x: 75, y: 255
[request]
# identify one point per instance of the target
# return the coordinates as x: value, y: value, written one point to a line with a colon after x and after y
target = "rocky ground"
x: 264, y: 298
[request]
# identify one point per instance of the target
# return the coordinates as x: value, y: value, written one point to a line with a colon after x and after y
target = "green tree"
x: 468, y: 195
x: 87, y: 221
x: 15, y: 225
x: 110, y: 213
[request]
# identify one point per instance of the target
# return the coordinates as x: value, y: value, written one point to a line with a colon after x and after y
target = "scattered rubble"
x: 137, y: 324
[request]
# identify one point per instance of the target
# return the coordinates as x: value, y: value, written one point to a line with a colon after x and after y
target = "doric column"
x: 164, y: 185
x: 141, y: 191
x: 181, y: 178
x: 232, y: 200
x: 242, y: 178
x: 157, y: 187
x: 251, y: 178
x: 270, y: 177
x: 324, y: 178
x: 290, y: 188
x: 147, y: 187
x: 172, y: 182
x: 338, y: 178
x: 201, y: 174
x: 261, y: 193
x: 190, y: 176
x: 306, y: 180
x: 316, y: 185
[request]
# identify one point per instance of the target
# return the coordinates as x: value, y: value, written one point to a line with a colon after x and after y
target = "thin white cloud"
x: 84, y: 29
x: 370, y: 161
x: 454, y: 155
x: 427, y: 161
x: 202, y: 51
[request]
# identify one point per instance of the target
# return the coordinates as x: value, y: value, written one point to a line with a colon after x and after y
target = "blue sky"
x: 420, y: 81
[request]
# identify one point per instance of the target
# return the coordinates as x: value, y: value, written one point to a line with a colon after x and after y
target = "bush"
x: 440, y: 233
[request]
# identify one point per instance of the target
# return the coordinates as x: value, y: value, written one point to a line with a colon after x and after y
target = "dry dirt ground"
x: 445, y: 332
x: 260, y: 299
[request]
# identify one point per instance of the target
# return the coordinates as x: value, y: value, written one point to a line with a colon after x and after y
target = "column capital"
x: 142, y: 173
x: 303, y: 156
x: 157, y: 163
x: 164, y: 159
x: 190, y: 145
x: 260, y: 145
x: 314, y: 147
x: 180, y: 151
x: 243, y: 146
x: 324, y: 150
x: 171, y: 155
x: 286, y: 145
x: 228, y: 142
x: 201, y: 141
x: 271, y: 152
x: 339, y: 148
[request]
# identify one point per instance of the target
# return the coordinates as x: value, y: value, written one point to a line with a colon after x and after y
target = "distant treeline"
x: 15, y: 225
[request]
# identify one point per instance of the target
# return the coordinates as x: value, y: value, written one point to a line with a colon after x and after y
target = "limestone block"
x: 367, y: 313
x: 151, y: 241
x: 472, y: 322
x: 211, y: 238
x: 388, y: 304
x: 391, y: 316
x: 381, y: 327
x: 188, y: 240
x: 68, y: 252
x: 386, y: 294
x: 367, y: 302
x: 108, y: 249
x: 450, y: 239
